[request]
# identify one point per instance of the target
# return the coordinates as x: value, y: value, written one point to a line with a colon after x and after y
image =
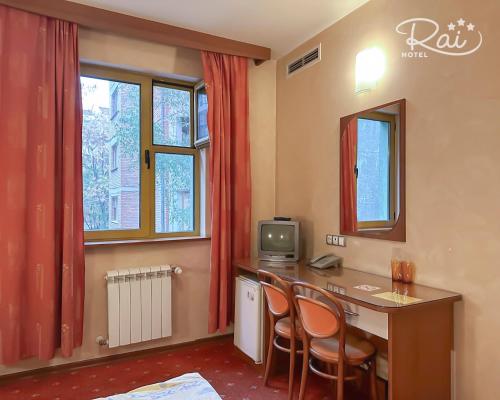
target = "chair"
x: 282, y: 322
x: 325, y: 339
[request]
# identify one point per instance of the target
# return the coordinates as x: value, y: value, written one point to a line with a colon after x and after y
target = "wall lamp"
x: 370, y: 67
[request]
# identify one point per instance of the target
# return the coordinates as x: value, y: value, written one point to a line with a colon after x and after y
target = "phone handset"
x: 326, y: 261
x: 316, y: 259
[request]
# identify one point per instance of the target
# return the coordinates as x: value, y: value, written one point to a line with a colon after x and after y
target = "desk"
x: 418, y: 336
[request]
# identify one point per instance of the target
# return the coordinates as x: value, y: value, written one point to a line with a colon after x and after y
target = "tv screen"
x: 279, y: 238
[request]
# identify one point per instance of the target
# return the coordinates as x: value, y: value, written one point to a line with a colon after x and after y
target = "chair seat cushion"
x: 283, y: 328
x: 357, y: 350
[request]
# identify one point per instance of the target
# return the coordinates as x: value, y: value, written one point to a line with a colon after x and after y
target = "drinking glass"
x: 408, y: 271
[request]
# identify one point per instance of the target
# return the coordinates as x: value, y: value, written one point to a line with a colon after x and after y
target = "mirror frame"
x: 397, y: 232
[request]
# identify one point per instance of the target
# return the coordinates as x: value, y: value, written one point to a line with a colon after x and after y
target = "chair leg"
x: 270, y: 351
x: 305, y: 369
x: 373, y: 379
x: 292, y: 367
x: 340, y: 380
x: 329, y: 369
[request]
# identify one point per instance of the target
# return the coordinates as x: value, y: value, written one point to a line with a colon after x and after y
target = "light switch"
x: 341, y: 241
x: 335, y: 240
x: 329, y: 239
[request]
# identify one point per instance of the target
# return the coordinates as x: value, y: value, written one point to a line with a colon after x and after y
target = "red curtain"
x: 41, y: 231
x: 348, y: 209
x: 226, y: 80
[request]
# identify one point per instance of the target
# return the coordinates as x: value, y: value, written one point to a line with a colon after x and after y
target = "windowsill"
x: 142, y: 241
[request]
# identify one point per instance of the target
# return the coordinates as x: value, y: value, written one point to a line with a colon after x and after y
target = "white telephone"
x: 326, y: 261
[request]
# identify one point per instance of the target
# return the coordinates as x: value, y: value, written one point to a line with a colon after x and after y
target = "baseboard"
x: 106, y: 359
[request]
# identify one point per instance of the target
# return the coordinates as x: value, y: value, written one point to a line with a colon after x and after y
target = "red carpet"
x: 216, y: 361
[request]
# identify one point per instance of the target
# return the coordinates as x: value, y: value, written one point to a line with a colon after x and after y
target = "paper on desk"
x: 397, y: 298
x: 367, y: 288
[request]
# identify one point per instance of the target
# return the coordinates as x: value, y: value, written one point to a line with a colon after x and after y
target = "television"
x: 278, y: 240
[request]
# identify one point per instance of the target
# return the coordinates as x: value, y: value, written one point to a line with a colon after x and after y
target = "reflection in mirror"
x: 372, y: 173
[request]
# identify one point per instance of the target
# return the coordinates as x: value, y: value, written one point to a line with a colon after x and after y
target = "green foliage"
x: 126, y: 123
x: 171, y: 114
x: 95, y: 170
x: 173, y: 177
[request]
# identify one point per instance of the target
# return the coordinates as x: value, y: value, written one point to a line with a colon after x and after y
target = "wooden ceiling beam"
x: 139, y: 28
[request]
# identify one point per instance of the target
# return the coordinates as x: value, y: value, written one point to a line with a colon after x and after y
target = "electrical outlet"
x: 335, y: 240
x: 341, y: 241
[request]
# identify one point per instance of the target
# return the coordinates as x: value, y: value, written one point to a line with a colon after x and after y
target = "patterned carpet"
x: 217, y: 361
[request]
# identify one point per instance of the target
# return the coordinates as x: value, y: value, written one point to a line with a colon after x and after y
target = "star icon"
x: 470, y: 27
x: 451, y: 26
x: 461, y: 22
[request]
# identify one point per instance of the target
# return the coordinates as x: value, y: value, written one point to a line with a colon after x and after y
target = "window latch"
x: 356, y: 171
x: 147, y: 159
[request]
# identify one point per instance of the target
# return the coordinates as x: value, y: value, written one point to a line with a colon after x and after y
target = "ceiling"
x: 280, y: 25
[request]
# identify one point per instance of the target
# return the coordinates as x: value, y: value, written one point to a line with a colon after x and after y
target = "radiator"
x: 139, y: 304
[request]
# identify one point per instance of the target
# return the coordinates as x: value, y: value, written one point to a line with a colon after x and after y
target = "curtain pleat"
x: 226, y: 80
x: 348, y: 211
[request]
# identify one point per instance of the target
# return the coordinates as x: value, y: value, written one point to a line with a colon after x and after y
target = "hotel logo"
x: 425, y: 36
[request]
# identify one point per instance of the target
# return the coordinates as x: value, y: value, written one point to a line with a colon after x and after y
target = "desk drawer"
x: 367, y: 320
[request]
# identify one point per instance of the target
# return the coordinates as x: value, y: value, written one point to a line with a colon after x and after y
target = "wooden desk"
x: 419, y: 336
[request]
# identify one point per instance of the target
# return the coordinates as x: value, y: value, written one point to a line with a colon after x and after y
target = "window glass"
x: 373, y: 164
x: 174, y: 193
x: 114, y: 156
x: 111, y: 154
x: 202, y: 112
x: 114, y: 209
x: 171, y: 116
x: 114, y: 102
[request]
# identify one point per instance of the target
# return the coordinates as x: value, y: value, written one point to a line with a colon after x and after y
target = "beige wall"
x: 262, y: 92
x: 118, y: 51
x: 453, y: 171
x: 190, y: 290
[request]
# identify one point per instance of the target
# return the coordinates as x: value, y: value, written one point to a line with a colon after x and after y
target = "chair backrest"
x: 321, y: 314
x: 277, y: 294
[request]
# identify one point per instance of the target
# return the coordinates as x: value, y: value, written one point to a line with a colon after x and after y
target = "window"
x: 114, y: 101
x: 201, y: 132
x: 114, y: 209
x: 114, y: 157
x: 375, y: 170
x: 140, y: 166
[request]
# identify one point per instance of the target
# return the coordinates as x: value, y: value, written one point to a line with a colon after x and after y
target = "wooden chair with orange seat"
x: 283, y: 323
x: 325, y: 338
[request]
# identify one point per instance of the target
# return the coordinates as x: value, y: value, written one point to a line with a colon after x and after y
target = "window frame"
x: 146, y: 83
x: 203, y: 142
x: 393, y: 190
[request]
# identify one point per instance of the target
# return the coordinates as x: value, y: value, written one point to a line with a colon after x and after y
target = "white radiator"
x: 139, y: 304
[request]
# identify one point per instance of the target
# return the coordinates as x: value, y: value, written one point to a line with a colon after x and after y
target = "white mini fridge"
x: 248, y: 318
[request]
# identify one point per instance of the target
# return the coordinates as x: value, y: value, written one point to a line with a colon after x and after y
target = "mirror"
x: 372, y: 173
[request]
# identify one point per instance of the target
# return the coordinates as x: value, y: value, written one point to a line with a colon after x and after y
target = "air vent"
x: 308, y: 59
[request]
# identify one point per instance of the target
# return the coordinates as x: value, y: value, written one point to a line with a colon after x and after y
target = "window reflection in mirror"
x: 372, y: 173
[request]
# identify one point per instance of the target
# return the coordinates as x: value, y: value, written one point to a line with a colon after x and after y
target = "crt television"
x: 278, y: 240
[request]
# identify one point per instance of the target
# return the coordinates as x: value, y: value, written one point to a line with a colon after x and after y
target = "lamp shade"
x: 370, y: 67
